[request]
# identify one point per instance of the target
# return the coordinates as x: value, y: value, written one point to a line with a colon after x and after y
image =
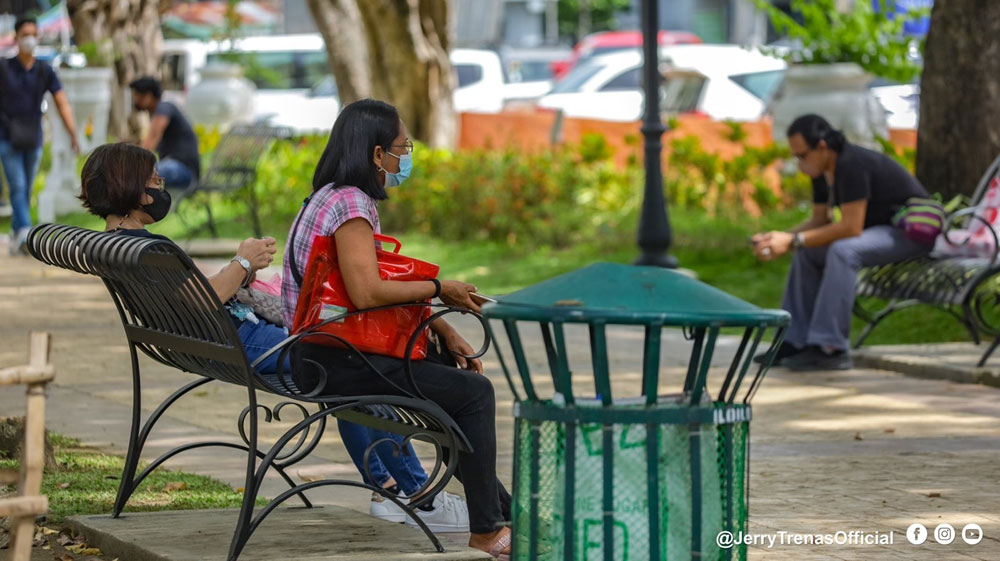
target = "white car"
x: 901, y: 102
x: 723, y: 82
x: 606, y: 87
x: 285, y: 69
x: 480, y: 84
x: 528, y: 72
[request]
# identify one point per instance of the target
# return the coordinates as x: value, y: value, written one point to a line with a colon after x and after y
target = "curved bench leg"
x: 993, y: 346
x: 247, y: 523
x: 127, y: 484
x: 140, y: 431
x: 874, y: 319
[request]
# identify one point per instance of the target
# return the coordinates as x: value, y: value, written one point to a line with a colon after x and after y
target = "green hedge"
x: 568, y: 195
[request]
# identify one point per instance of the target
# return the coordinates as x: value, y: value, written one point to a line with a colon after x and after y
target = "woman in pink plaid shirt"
x: 367, y: 153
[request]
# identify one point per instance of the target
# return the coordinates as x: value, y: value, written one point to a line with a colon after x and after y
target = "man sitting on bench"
x: 869, y: 188
x: 170, y: 134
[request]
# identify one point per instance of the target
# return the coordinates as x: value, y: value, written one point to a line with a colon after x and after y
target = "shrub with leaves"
x: 872, y: 39
x: 555, y: 198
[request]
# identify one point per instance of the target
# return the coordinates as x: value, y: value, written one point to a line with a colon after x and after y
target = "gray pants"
x: 821, y: 283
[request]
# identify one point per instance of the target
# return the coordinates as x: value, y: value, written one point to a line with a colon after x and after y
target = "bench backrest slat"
x: 168, y: 308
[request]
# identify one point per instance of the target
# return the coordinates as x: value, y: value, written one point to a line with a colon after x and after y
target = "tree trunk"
x: 960, y: 96
x: 339, y: 21
x: 128, y: 33
x: 406, y: 50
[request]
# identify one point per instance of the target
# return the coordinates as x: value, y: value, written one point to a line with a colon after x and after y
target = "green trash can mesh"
x: 719, y: 465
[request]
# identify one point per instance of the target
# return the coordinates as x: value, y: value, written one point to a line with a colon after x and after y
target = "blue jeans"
x: 390, y: 459
x: 174, y: 174
x: 20, y: 169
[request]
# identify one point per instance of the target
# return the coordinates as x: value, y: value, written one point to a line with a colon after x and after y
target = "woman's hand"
x: 458, y: 346
x: 457, y: 293
x: 259, y: 252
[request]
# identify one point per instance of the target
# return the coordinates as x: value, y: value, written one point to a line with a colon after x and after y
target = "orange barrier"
x: 904, y: 138
x: 525, y: 131
x: 534, y: 131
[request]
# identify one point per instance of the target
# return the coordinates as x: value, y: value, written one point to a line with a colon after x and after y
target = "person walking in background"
x: 170, y: 134
x: 23, y: 83
x: 869, y: 188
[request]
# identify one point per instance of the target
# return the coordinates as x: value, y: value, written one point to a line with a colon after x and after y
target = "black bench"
x: 960, y: 286
x: 171, y: 314
x: 233, y: 167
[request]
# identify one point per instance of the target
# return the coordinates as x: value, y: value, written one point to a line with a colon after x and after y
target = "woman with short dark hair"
x: 368, y: 151
x: 120, y: 184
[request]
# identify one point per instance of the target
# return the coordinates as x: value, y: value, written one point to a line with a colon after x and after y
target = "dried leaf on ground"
x: 934, y: 495
x: 175, y: 486
x: 857, y: 436
x: 49, y: 531
x: 890, y: 431
x: 64, y: 485
x: 64, y: 557
x: 81, y: 549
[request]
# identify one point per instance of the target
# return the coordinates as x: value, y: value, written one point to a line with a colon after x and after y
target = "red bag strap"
x: 389, y: 239
x: 296, y: 274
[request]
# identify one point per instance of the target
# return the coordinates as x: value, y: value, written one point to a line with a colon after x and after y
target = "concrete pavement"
x: 864, y: 450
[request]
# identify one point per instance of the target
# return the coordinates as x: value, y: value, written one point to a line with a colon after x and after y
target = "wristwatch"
x: 246, y: 266
x: 799, y: 241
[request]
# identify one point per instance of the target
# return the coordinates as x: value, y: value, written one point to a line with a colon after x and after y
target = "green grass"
x: 87, y: 480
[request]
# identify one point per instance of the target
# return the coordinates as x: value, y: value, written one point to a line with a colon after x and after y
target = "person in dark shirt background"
x: 869, y: 188
x: 170, y: 134
x: 24, y: 80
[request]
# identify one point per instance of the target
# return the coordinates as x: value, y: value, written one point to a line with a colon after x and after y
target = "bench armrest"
x: 970, y: 212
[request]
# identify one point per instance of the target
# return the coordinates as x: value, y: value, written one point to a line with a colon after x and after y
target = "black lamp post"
x: 654, y: 226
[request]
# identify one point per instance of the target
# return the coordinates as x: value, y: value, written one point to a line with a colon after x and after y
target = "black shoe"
x: 815, y: 359
x: 784, y: 351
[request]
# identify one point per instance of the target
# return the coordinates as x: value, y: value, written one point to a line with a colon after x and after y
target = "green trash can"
x: 631, y: 475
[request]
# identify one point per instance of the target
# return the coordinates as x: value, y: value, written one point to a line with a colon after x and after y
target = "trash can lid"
x: 629, y: 294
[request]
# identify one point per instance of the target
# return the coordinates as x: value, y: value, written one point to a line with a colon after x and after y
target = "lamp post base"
x: 656, y: 259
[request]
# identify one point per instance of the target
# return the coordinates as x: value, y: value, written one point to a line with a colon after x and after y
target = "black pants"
x: 467, y: 396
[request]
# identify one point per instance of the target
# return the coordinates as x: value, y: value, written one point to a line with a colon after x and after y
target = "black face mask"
x: 160, y: 205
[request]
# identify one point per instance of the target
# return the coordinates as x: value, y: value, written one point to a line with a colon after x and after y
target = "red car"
x: 610, y: 41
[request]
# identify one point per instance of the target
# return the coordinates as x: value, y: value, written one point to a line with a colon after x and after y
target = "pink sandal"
x: 501, y: 544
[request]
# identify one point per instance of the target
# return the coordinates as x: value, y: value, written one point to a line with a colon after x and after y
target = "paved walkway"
x: 864, y: 450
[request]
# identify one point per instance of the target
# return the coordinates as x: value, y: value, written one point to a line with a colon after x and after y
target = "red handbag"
x: 323, y: 296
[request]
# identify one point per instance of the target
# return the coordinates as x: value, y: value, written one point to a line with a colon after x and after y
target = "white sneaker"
x: 383, y: 508
x: 450, y: 515
x: 18, y: 244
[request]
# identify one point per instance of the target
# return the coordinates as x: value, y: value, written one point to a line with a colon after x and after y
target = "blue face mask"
x: 405, y: 167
